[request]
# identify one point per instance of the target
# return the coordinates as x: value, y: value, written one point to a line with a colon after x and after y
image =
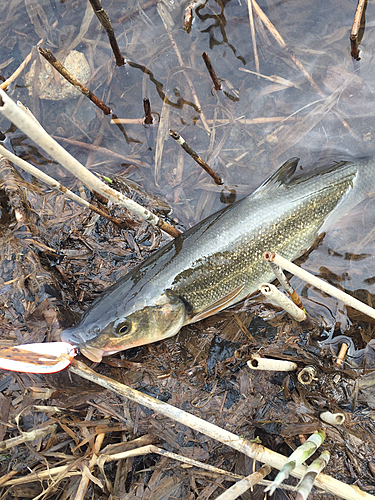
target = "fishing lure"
x: 48, y: 357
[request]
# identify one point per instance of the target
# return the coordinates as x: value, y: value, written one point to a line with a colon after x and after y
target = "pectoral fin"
x: 216, y: 306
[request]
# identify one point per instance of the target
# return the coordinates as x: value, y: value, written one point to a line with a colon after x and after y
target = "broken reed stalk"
x: 19, y: 70
x: 280, y: 299
x: 181, y: 141
x: 355, y: 29
x: 145, y: 450
x: 38, y: 174
x: 245, y: 484
x: 51, y: 59
x: 256, y: 451
x: 36, y: 132
x: 320, y: 284
x: 107, y: 25
x: 211, y: 71
x: 253, y: 37
x: 284, y: 282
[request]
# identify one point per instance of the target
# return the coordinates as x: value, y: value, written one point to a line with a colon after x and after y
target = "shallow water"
x: 327, y: 115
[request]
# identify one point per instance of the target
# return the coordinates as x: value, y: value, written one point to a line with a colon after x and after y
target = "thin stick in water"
x: 47, y: 54
x: 107, y: 25
x: 147, y: 107
x: 355, y: 29
x: 181, y: 141
x: 211, y: 71
x: 253, y: 38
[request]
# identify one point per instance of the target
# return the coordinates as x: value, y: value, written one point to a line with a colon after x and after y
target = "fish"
x: 219, y: 261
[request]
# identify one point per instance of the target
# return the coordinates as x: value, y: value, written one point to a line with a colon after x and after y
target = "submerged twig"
x: 238, y: 443
x: 279, y: 39
x: 107, y: 25
x: 274, y: 295
x: 245, y: 484
x: 181, y: 141
x: 320, y: 284
x: 211, y: 71
x: 147, y: 107
x: 47, y: 54
x: 36, y: 132
x: 355, y: 29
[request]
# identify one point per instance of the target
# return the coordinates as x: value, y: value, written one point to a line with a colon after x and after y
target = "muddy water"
x: 319, y: 108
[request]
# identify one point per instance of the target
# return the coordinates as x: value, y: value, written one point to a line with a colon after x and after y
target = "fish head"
x: 139, y: 325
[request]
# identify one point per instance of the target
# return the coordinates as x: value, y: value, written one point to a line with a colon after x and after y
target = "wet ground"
x: 56, y: 257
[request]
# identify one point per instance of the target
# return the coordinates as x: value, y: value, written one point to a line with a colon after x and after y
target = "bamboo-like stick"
x: 298, y: 457
x: 238, y: 443
x: 245, y: 484
x: 37, y: 133
x: 272, y: 293
x: 277, y: 365
x: 318, y: 283
x: 38, y: 174
x: 306, y: 484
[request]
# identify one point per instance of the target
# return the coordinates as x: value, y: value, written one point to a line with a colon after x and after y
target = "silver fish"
x: 220, y: 261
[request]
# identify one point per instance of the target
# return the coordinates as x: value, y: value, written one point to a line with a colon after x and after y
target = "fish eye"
x: 121, y: 327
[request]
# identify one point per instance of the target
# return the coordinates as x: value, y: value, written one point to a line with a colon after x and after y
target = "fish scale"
x: 220, y: 261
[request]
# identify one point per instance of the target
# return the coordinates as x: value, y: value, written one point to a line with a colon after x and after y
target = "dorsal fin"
x: 282, y: 176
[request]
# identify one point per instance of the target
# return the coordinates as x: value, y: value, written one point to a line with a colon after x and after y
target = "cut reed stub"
x: 275, y: 296
x: 278, y: 365
x: 332, y: 418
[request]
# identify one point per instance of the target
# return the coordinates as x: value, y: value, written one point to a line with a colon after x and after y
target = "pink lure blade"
x: 49, y: 357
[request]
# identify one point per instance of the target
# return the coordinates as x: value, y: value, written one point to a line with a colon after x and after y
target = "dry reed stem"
x: 35, y: 131
x: 258, y: 452
x: 38, y: 174
x: 245, y: 484
x: 253, y: 38
x: 19, y: 70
